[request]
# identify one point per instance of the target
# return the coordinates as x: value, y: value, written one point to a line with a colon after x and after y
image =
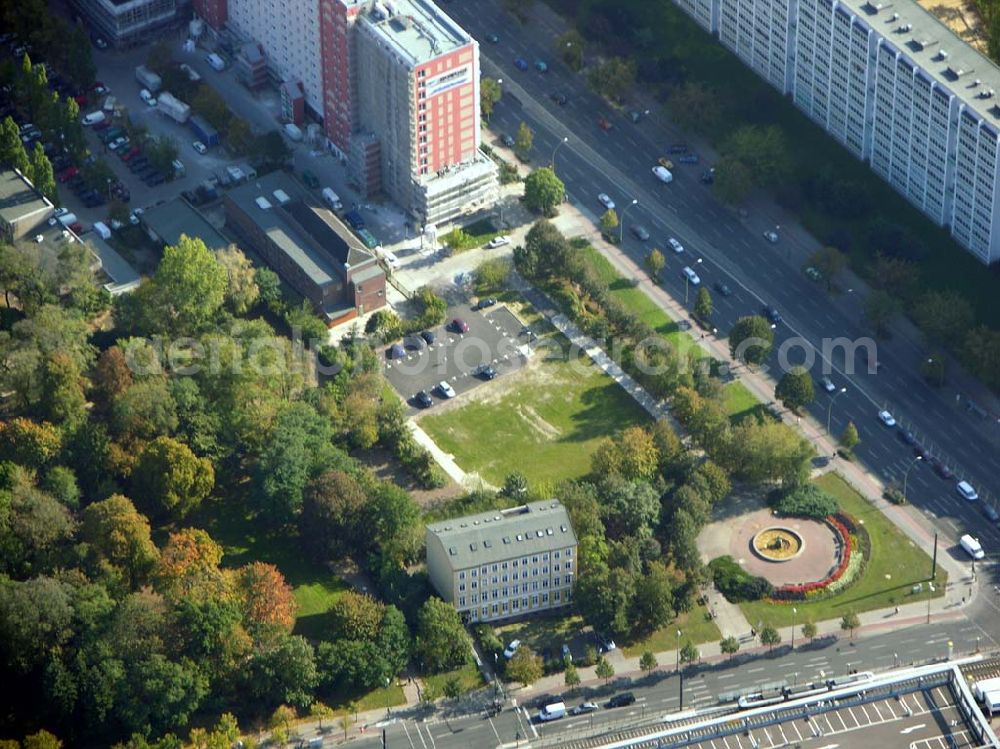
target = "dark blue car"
x: 521, y: 64
x: 353, y: 218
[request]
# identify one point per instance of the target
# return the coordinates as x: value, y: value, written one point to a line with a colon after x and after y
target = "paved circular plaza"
x: 819, y: 558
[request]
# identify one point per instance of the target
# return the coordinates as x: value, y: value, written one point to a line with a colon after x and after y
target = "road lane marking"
x: 911, y: 729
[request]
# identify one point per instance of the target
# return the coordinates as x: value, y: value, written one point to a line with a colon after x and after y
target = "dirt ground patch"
x: 386, y: 467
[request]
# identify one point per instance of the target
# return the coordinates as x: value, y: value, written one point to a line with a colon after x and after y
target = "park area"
x: 544, y: 420
x: 896, y: 564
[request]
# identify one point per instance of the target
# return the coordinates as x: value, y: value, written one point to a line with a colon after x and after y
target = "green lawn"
x: 468, y: 675
x: 546, y: 425
x: 695, y: 627
x: 474, y: 235
x: 896, y: 564
x: 245, y: 539
x: 740, y: 402
x: 548, y: 633
x: 377, y: 699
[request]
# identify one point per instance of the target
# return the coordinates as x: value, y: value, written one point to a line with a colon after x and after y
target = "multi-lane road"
x: 459, y: 728
x: 732, y: 249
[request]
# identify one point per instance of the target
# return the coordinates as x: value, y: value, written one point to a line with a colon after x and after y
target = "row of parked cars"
x: 131, y: 154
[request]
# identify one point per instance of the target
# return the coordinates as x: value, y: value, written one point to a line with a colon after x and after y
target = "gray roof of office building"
x: 301, y: 250
x: 326, y: 229
x: 175, y: 217
x: 504, y: 534
x: 18, y: 199
x: 922, y: 38
x: 417, y: 29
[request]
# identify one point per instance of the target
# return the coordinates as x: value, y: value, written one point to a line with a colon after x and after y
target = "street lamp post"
x: 387, y: 711
x: 794, y: 612
x: 680, y: 695
x: 906, y: 473
x: 687, y: 282
x: 559, y: 145
x: 829, y: 410
x: 621, y: 223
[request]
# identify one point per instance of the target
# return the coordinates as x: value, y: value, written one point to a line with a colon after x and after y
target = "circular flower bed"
x: 800, y: 592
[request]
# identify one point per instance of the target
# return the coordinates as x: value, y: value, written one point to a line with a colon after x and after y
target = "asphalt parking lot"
x: 494, y: 337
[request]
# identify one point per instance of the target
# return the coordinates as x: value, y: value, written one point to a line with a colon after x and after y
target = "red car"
x: 67, y: 174
x: 76, y: 227
x: 81, y: 100
x: 102, y: 125
x: 602, y: 122
x: 131, y: 153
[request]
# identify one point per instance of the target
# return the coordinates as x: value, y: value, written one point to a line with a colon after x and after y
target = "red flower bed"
x: 798, y: 592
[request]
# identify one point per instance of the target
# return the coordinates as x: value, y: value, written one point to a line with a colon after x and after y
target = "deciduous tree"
x: 880, y: 311
x: 490, y: 92
x: 849, y: 437
x: 850, y: 622
x: 695, y: 107
x: 751, y: 339
x: 769, y: 636
x: 333, y: 519
x: 655, y: 263
x: 648, y: 662
x: 170, y: 479
x: 543, y: 191
x: 729, y: 645
x: 118, y: 537
x: 268, y: 602
x: 525, y: 667
x: 242, y: 292
x: 523, y: 141
x: 689, y: 653
x: 604, y: 669
x: 190, y: 286
x: 441, y: 641
x: 809, y: 631
x: 795, y: 389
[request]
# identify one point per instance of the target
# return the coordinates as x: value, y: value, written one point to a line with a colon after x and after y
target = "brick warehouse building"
x: 307, y: 245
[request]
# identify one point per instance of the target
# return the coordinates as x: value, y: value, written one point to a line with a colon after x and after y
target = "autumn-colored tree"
x: 242, y: 292
x: 118, y: 536
x: 62, y: 383
x: 633, y: 455
x: 268, y: 602
x: 41, y: 740
x: 189, y: 566
x: 28, y: 443
x: 170, y: 479
x: 356, y: 616
x: 112, y: 376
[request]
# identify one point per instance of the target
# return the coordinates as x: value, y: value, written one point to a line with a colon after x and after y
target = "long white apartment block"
x: 893, y: 85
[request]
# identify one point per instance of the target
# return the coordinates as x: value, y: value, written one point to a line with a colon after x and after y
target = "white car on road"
x: 498, y: 242
x: 663, y: 174
x: 886, y: 418
x: 675, y: 245
x: 691, y: 276
x: 606, y: 201
x: 199, y: 146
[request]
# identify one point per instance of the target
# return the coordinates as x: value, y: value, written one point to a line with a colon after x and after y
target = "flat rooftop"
x: 417, y: 30
x: 932, y: 46
x: 18, y: 198
x: 175, y: 217
x: 927, y: 707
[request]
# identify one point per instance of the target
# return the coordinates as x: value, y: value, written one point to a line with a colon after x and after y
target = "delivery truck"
x: 203, y: 131
x: 148, y: 79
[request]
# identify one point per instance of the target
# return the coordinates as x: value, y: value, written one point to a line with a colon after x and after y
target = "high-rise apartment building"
x: 396, y: 84
x: 289, y: 32
x: 504, y: 564
x: 891, y: 83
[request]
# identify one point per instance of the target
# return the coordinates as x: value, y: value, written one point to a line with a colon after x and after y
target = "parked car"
x: 511, y: 649
x: 941, y: 469
x: 395, y: 351
x: 423, y: 399
x: 200, y: 148
x: 446, y: 390
x: 665, y: 162
x: 604, y: 644
x: 493, y: 38
x: 622, y: 700
x: 676, y: 246
x: 966, y: 491
x: 583, y: 708
x: 308, y: 177
x: 689, y: 158
x: 771, y: 236
x: 541, y: 66
x: 521, y: 64
x: 498, y: 242
x: 677, y: 148
x: 507, y: 140
x: 459, y: 326
x: 486, y: 371
x: 886, y: 418
x: 827, y: 384
x: 559, y: 98
x: 606, y: 201
x: 484, y: 303
x: 428, y: 336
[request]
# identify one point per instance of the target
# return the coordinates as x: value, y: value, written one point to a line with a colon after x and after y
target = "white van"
x: 663, y: 174
x: 554, y: 711
x: 102, y: 230
x: 93, y: 118
x: 972, y: 546
x: 217, y: 63
x: 332, y: 199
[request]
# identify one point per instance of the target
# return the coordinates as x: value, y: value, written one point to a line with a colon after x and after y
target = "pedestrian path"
x: 471, y: 481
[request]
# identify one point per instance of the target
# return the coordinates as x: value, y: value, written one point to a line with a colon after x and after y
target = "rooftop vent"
x: 942, y: 54
x: 487, y: 544
x: 562, y: 528
x: 539, y: 534
x: 520, y: 537
x: 453, y: 551
x: 473, y: 546
x: 894, y: 17
x: 956, y: 72
x: 902, y: 29
x: 475, y: 522
x: 262, y: 203
x: 506, y: 539
x: 986, y: 94
x: 548, y: 531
